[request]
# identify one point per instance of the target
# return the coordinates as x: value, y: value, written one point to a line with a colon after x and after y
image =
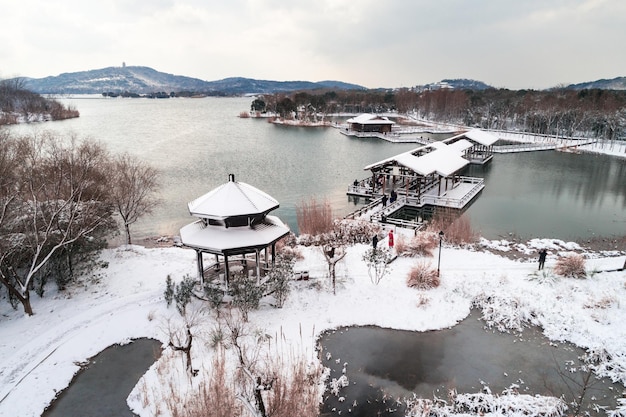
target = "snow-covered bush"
x: 571, y: 266
x: 423, y: 276
x: 279, y: 277
x: 246, y: 293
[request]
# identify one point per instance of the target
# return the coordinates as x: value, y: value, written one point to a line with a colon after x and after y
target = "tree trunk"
x: 28, y: 309
x: 259, y: 398
x: 127, y: 229
x: 23, y: 297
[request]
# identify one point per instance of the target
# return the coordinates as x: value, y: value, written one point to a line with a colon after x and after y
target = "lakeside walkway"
x: 532, y: 147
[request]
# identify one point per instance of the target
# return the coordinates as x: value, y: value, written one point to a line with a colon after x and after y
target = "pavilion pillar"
x: 258, y: 264
x: 274, y: 254
x: 200, y: 266
x: 226, y: 270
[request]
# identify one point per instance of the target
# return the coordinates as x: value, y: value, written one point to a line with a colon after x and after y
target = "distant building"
x: 370, y: 123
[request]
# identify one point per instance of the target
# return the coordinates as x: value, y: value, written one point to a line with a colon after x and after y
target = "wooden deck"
x: 458, y: 196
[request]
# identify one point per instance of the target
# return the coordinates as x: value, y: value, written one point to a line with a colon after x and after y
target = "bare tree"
x: 58, y: 198
x: 133, y: 186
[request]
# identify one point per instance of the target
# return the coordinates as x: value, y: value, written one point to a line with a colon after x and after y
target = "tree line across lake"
x: 18, y: 104
x: 592, y: 113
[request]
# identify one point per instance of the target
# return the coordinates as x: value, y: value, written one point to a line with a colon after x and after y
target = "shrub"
x: 422, y: 244
x: 279, y: 277
x: 246, y: 294
x: 377, y: 261
x: 423, y: 276
x: 572, y: 266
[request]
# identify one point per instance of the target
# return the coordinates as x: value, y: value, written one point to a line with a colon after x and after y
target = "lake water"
x: 196, y: 143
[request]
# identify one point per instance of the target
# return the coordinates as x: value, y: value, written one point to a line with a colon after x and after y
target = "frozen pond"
x: 385, y: 364
x: 101, y: 388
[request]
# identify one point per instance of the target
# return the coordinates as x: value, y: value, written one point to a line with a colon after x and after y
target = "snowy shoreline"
x: 125, y: 301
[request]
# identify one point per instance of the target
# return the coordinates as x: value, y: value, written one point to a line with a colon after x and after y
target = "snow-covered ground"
x: 40, y: 354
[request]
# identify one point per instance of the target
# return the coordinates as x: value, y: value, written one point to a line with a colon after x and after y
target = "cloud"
x: 524, y: 44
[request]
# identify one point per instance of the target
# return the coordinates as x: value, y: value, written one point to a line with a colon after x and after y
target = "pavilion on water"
x: 417, y: 181
x: 233, y: 221
x: 482, y: 142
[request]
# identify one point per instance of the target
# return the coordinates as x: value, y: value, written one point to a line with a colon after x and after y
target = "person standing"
x: 375, y: 241
x: 384, y: 200
x: 390, y: 239
x: 542, y: 258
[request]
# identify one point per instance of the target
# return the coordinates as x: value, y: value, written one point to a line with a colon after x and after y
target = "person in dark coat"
x: 394, y: 196
x: 384, y: 200
x: 542, y: 258
x: 375, y: 241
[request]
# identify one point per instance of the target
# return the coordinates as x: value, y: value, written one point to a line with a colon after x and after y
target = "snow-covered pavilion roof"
x: 444, y: 159
x: 232, y: 199
x: 233, y: 240
x: 478, y: 136
x: 370, y: 119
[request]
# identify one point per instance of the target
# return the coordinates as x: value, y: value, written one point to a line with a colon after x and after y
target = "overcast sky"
x: 375, y: 43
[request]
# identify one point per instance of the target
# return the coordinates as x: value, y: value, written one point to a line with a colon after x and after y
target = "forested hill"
x: 18, y: 105
x: 618, y: 83
x: 145, y: 80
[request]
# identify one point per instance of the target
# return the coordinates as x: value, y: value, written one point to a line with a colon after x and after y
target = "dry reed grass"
x: 423, y: 276
x: 572, y: 266
x: 457, y: 230
x: 314, y: 217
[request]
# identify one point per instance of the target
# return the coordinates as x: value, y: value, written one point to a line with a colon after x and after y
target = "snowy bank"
x: 125, y: 300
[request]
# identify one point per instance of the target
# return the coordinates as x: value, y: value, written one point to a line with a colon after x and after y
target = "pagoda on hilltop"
x: 233, y: 221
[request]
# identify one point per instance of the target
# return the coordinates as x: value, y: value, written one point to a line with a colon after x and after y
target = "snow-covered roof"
x: 478, y: 136
x: 444, y: 159
x: 460, y: 145
x: 232, y: 199
x: 221, y: 240
x: 370, y: 119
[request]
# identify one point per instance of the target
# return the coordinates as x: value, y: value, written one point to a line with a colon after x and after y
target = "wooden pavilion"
x: 370, y: 123
x: 420, y: 170
x: 482, y: 142
x: 233, y: 221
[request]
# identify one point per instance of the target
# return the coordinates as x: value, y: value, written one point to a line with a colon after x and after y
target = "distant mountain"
x: 618, y: 83
x: 458, y: 84
x: 145, y: 80
x: 239, y: 85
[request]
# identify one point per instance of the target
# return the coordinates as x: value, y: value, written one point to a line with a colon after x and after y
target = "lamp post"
x: 439, y: 260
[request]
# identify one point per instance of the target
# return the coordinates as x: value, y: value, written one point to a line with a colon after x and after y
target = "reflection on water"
x: 383, y: 365
x: 198, y: 142
x: 551, y: 194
